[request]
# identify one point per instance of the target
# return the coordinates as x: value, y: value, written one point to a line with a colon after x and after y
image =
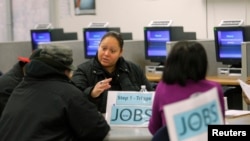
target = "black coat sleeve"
x: 86, y: 121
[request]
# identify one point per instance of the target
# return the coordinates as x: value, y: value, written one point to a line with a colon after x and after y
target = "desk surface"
x: 224, y: 80
x: 128, y: 134
x: 221, y: 80
x: 142, y: 133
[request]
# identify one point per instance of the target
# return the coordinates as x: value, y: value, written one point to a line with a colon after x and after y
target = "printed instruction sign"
x: 129, y: 108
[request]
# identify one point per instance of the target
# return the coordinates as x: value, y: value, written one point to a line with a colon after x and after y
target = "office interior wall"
x: 26, y: 14
x: 9, y: 52
x: 198, y: 16
x: 133, y: 15
x: 133, y: 51
x: 245, y: 72
x: 247, y: 57
x: 218, y: 10
x: 245, y: 63
x: 3, y: 21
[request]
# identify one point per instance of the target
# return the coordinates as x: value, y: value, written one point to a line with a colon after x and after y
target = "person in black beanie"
x: 47, y: 106
x: 10, y: 79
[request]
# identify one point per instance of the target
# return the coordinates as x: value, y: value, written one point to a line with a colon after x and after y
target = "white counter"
x: 128, y: 134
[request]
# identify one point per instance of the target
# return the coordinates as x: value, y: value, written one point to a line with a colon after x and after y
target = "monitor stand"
x: 229, y: 72
x: 154, y: 69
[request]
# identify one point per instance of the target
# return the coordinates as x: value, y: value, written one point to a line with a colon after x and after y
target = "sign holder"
x: 98, y: 24
x: 154, y: 23
x: 231, y: 22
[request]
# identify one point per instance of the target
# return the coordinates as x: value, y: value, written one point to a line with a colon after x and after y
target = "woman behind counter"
x: 109, y: 71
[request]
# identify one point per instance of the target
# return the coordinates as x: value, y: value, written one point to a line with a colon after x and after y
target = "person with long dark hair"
x: 184, y: 74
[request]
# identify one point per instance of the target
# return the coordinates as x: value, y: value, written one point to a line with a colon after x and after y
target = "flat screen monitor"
x: 39, y: 36
x: 155, y: 39
x: 92, y: 38
x: 228, y: 42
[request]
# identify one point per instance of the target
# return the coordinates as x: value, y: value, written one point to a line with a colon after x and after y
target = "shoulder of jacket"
x: 86, y: 64
x: 133, y: 66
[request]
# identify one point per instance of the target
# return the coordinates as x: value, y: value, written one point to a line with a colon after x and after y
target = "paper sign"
x: 129, y: 108
x: 236, y: 113
x: 245, y: 87
x: 188, y: 120
x: 134, y: 98
x: 130, y: 115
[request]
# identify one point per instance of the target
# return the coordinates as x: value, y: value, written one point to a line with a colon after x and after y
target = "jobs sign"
x: 129, y: 108
x: 189, y: 119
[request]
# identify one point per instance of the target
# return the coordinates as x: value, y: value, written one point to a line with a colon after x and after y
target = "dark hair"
x: 187, y: 60
x: 115, y: 35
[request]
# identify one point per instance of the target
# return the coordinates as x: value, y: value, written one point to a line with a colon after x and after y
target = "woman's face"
x: 109, y: 52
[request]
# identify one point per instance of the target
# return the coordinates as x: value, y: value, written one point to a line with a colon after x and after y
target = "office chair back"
x: 161, y: 134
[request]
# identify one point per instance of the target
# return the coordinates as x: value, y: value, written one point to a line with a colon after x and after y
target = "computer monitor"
x: 39, y: 36
x: 155, y: 39
x: 92, y: 38
x: 228, y: 42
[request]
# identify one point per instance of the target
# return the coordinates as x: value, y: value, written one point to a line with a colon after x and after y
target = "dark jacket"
x: 8, y: 82
x: 127, y: 77
x: 45, y: 106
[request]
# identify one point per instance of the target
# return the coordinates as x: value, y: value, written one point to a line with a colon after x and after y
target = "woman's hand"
x: 100, y: 87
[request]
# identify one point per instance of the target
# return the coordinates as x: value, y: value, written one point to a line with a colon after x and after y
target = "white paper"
x: 245, y: 87
x: 236, y: 113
